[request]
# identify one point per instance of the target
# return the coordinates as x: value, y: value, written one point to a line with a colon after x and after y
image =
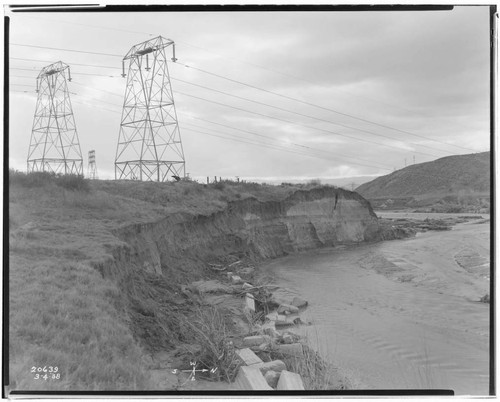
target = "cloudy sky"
x: 284, y: 95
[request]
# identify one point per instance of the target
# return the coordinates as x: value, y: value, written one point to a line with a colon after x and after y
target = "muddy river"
x: 402, y: 314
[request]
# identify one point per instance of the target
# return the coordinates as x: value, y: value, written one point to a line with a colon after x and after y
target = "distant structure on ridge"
x: 54, y: 145
x: 149, y: 144
x: 92, y: 167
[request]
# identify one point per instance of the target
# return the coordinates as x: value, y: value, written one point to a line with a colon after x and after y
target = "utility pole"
x: 54, y: 144
x: 149, y: 144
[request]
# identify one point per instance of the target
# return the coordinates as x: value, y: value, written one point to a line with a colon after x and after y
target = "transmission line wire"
x: 285, y: 110
x: 317, y: 106
x: 97, y: 89
x: 72, y: 64
x: 273, y: 93
x: 302, y: 125
x: 224, y: 57
x: 267, y: 138
x: 301, y: 114
x: 67, y: 50
x: 308, y: 152
x: 272, y: 146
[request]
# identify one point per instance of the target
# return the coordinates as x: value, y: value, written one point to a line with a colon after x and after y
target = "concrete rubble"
x: 256, y: 374
x: 272, y: 378
x: 250, y: 378
x: 264, y: 336
x: 236, y: 280
x: 256, y: 340
x: 290, y: 381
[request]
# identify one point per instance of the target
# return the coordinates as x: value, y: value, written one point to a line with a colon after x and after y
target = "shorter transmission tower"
x: 92, y: 168
x: 149, y: 144
x: 54, y: 145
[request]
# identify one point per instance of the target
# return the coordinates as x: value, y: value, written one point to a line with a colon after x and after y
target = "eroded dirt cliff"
x: 158, y: 257
x: 255, y: 229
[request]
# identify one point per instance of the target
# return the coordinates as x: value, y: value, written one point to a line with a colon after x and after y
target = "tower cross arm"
x: 149, y: 46
x: 53, y: 68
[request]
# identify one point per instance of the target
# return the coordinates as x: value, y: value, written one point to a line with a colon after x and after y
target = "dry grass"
x: 62, y: 312
x: 208, y: 329
x: 65, y: 314
x: 317, y: 374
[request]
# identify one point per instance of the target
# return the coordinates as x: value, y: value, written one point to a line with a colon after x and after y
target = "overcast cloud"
x: 426, y: 73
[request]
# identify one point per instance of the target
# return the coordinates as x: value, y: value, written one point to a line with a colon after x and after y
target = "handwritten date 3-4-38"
x: 46, y: 373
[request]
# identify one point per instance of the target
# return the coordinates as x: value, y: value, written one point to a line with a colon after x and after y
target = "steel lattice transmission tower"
x: 149, y: 143
x: 54, y: 145
x: 92, y: 167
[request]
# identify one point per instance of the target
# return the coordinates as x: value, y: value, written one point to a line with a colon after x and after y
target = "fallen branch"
x: 217, y: 267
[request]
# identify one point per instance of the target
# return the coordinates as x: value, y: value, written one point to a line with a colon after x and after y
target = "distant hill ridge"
x: 448, y: 175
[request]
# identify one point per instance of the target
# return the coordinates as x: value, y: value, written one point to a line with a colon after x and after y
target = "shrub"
x: 34, y: 179
x: 314, y: 182
x: 39, y: 179
x: 73, y: 182
x: 217, y: 350
x: 219, y: 186
x: 316, y: 373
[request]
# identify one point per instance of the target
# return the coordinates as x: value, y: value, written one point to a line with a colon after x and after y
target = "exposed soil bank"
x: 157, y: 258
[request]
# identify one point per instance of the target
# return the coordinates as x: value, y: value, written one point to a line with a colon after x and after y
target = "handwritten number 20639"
x: 44, y: 369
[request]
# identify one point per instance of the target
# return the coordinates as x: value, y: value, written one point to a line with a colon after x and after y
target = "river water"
x: 401, y: 314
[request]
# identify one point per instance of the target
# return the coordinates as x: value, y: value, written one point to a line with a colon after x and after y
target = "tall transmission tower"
x: 92, y: 168
x: 149, y: 144
x: 54, y: 145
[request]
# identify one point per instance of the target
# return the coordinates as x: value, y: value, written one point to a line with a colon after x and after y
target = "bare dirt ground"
x: 403, y: 313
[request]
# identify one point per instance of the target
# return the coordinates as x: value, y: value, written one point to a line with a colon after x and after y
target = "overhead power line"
x: 303, y: 115
x: 67, y: 50
x: 98, y: 89
x: 73, y: 64
x: 292, y: 143
x: 272, y: 146
x: 320, y: 107
x: 300, y: 125
x: 276, y: 94
x: 288, y: 111
x: 222, y: 56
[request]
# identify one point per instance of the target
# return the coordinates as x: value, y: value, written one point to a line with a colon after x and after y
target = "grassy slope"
x: 62, y: 312
x: 449, y: 175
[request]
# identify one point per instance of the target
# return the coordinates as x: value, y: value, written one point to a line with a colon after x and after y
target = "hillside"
x: 459, y: 180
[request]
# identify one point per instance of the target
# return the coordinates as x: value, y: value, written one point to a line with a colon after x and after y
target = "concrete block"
x: 275, y: 365
x: 299, y: 302
x: 272, y: 316
x: 283, y: 320
x: 293, y: 349
x: 251, y: 378
x: 248, y: 357
x: 246, y: 285
x: 269, y: 329
x: 290, y: 381
x: 272, y: 378
x: 287, y: 338
x: 287, y: 307
x: 236, y: 280
x: 255, y: 340
x: 250, y: 302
